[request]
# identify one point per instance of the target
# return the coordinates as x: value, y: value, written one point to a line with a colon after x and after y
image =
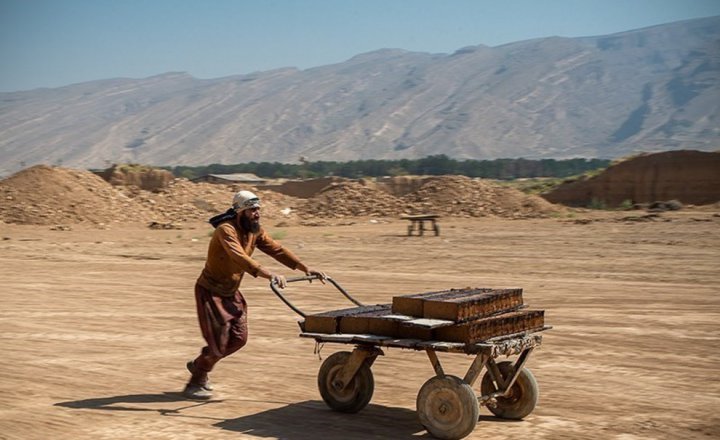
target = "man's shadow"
x: 139, y: 402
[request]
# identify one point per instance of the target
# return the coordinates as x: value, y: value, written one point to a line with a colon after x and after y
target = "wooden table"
x: 417, y: 223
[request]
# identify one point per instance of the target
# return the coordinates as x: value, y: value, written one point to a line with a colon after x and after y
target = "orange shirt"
x: 230, y: 256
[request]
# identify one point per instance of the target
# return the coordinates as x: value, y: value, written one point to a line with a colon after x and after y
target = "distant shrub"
x: 597, y: 203
x: 535, y: 186
x: 503, y: 169
x: 626, y: 204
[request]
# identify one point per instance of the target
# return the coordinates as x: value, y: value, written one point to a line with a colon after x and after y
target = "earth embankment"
x: 692, y: 177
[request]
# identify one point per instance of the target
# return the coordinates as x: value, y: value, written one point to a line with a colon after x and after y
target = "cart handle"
x: 274, y: 287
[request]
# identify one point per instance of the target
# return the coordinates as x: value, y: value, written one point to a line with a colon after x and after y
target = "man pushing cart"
x: 480, y: 322
x: 221, y: 307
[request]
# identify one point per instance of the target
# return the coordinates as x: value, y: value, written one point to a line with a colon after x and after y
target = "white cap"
x: 244, y: 200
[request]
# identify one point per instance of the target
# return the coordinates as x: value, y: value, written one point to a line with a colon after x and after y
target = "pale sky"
x: 51, y: 43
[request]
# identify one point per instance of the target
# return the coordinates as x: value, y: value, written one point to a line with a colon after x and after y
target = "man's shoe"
x: 190, y: 365
x: 196, y: 392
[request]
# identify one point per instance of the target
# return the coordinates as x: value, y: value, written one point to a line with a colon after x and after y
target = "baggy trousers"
x: 223, y: 323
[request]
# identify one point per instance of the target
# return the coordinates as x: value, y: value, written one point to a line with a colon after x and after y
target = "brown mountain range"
x: 651, y: 89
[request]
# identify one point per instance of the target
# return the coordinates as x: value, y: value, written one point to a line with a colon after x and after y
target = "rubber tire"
x: 447, y: 407
x: 356, y: 395
x: 523, y: 396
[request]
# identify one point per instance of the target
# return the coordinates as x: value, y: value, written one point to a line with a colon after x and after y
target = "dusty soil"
x: 97, y: 324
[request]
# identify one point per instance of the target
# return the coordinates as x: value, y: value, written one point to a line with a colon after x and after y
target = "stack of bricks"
x: 456, y: 315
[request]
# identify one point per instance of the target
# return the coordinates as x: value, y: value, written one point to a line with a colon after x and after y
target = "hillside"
x: 651, y: 89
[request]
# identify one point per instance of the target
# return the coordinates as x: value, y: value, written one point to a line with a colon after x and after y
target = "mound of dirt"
x: 302, y: 188
x: 455, y: 196
x: 692, y: 177
x: 350, y: 199
x: 461, y: 196
x: 44, y: 195
x: 144, y: 177
x: 183, y: 201
x: 400, y: 185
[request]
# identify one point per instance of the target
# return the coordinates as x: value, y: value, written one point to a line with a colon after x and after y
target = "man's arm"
x: 276, y: 250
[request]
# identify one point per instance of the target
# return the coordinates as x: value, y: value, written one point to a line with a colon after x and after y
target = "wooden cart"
x: 447, y: 405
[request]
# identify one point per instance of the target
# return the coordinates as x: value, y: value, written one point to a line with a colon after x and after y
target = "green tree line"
x: 504, y: 169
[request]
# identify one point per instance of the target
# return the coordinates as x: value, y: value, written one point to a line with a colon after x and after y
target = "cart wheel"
x: 447, y: 407
x: 523, y: 395
x: 356, y: 395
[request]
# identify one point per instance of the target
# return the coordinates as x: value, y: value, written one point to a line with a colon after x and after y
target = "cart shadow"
x: 494, y: 419
x: 312, y: 419
x: 306, y: 420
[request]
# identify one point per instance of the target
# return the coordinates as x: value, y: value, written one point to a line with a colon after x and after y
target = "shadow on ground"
x: 312, y: 419
x: 308, y: 420
x: 137, y: 402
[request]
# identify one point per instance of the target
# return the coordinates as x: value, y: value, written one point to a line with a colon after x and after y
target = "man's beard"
x: 249, y: 226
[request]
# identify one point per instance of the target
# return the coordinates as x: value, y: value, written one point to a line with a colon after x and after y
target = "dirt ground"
x: 96, y: 327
